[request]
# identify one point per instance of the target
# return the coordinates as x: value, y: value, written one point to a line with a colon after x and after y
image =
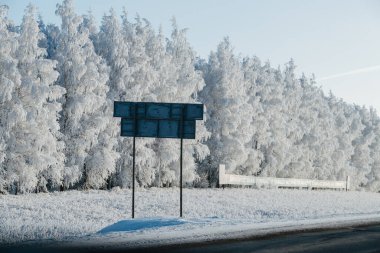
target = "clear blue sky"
x: 337, y: 40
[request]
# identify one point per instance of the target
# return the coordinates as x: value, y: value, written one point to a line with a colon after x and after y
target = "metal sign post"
x: 133, y: 166
x: 157, y: 120
x: 133, y: 178
x: 180, y: 164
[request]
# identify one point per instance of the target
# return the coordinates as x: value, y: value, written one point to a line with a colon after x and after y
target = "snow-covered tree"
x: 37, y: 146
x: 229, y: 119
x: 341, y: 156
x: 255, y: 164
x: 178, y: 81
x: 276, y: 151
x: 374, y: 176
x: 361, y: 159
x: 10, y: 80
x: 124, y: 48
x: 86, y: 110
x: 112, y: 46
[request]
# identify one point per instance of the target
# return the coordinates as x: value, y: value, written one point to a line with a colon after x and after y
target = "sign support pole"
x: 180, y: 165
x: 180, y: 176
x: 133, y: 166
x: 133, y: 179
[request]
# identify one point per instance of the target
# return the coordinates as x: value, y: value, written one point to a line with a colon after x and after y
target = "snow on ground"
x: 104, y: 216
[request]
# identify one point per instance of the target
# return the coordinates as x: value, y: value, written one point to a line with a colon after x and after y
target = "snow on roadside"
x: 63, y: 215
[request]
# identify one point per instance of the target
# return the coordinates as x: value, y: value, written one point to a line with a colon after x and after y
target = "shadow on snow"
x: 139, y: 224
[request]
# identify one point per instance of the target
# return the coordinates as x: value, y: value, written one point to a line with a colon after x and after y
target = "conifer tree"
x: 111, y: 45
x: 10, y: 112
x: 227, y: 107
x: 255, y: 164
x: 86, y: 110
x: 178, y: 82
x: 42, y: 145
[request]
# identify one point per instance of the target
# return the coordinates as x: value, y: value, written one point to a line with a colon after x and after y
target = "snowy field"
x: 104, y: 216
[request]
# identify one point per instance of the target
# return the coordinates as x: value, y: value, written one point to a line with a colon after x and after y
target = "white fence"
x: 231, y: 179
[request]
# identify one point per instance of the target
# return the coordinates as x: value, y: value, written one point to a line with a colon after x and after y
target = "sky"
x: 336, y: 40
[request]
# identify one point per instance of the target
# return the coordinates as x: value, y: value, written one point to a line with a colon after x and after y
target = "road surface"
x: 350, y: 239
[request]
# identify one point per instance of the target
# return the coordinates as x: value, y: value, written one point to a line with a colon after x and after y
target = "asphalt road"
x: 353, y: 239
x: 345, y: 240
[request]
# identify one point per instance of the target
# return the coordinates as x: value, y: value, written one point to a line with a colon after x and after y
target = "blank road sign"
x: 158, y: 120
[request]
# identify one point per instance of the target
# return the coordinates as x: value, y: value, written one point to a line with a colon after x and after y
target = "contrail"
x: 349, y: 73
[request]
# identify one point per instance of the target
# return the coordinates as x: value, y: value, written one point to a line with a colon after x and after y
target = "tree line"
x: 58, y: 84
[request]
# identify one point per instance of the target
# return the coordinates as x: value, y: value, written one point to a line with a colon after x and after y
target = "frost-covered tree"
x: 253, y: 76
x: 136, y: 78
x: 36, y: 143
x: 229, y: 119
x: 112, y: 46
x: 86, y: 110
x: 10, y: 112
x: 292, y: 91
x: 361, y: 159
x: 307, y: 119
x: 273, y: 142
x: 374, y: 176
x: 341, y: 156
x: 178, y: 81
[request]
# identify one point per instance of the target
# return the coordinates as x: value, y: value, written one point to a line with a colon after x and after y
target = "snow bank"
x: 106, y: 214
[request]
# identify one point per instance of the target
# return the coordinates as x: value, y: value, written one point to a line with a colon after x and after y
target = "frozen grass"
x: 73, y: 213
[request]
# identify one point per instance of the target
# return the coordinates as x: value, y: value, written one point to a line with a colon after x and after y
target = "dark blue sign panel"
x: 157, y: 111
x: 127, y: 127
x: 194, y: 111
x: 176, y: 111
x: 157, y: 128
x: 142, y: 110
x: 169, y: 128
x: 123, y: 110
x: 189, y: 129
x: 146, y: 128
x: 158, y: 120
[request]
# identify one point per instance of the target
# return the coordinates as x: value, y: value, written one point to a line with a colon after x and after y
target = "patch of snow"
x: 103, y: 217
